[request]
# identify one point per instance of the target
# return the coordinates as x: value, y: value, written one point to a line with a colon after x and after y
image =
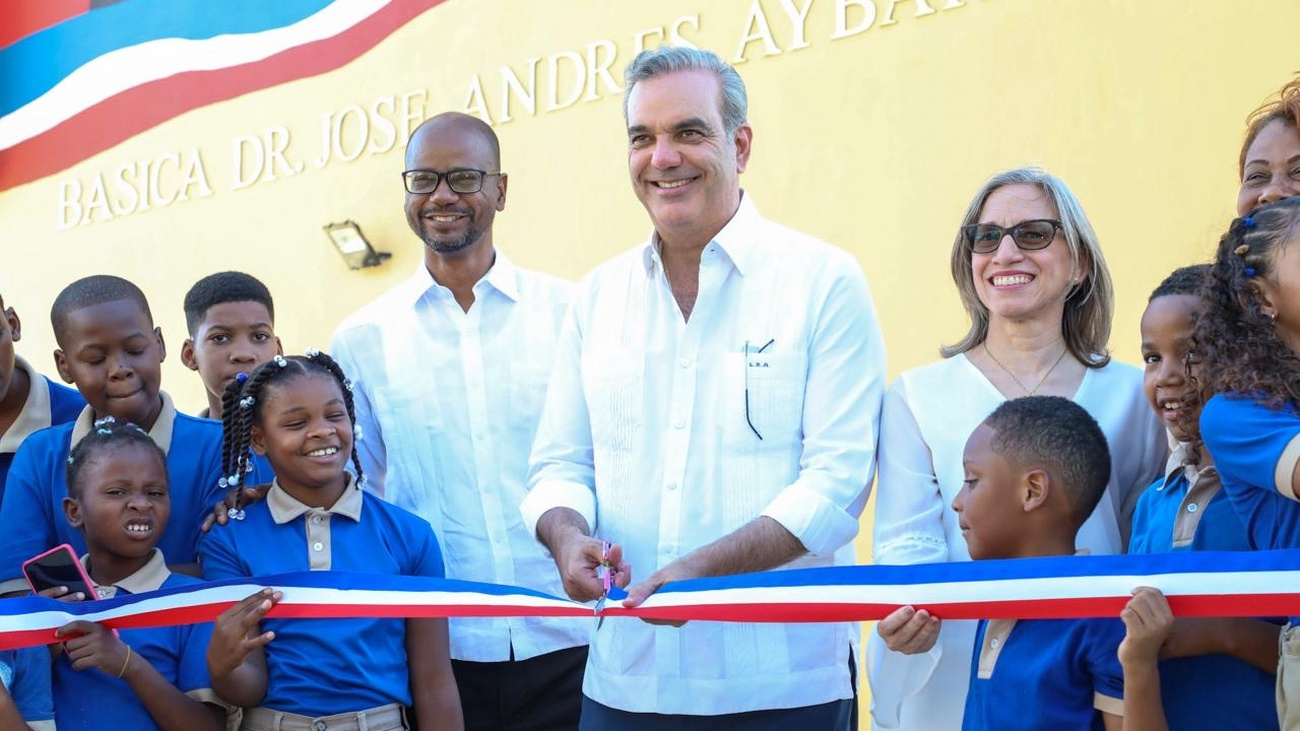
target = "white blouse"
x: 928, y: 415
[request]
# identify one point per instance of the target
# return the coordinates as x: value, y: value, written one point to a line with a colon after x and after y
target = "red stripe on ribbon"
x: 1207, y: 605
x: 22, y: 18
x: 347, y: 611
x: 143, y: 107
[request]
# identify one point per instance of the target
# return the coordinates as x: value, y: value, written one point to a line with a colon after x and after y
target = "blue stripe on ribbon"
x: 969, y: 573
x: 341, y: 580
x: 1188, y: 562
x: 34, y: 65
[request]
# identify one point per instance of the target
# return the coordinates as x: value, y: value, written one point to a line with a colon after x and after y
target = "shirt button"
x: 318, y: 546
x: 679, y: 424
x: 319, y: 726
x: 684, y: 362
x: 994, y: 643
x: 1191, y: 507
x: 315, y: 520
x: 672, y: 486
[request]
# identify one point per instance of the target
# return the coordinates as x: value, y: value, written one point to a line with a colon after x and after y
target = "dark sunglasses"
x: 985, y: 238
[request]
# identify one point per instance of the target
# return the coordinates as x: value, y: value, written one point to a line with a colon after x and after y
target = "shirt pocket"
x: 413, y: 417
x: 762, y: 408
x: 527, y: 392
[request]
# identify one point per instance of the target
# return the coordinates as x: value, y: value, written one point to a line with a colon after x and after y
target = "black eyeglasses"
x: 423, y: 182
x: 985, y: 238
x: 748, y: 419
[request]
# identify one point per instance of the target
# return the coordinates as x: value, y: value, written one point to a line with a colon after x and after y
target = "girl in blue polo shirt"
x: 1249, y: 339
x: 147, y: 679
x: 319, y: 673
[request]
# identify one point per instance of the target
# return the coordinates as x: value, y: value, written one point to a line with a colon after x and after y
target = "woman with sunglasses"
x: 1032, y: 278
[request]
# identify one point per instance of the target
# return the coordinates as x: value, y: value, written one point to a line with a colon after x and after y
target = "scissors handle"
x: 605, y: 571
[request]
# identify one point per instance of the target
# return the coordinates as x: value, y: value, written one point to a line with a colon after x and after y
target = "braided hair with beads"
x: 1236, y: 338
x: 108, y: 434
x: 241, y: 405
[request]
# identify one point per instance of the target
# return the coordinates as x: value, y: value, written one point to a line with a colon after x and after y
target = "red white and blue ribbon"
x: 1250, y: 584
x: 77, y: 79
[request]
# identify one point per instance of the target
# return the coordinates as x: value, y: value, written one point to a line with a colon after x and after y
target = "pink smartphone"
x: 58, y: 566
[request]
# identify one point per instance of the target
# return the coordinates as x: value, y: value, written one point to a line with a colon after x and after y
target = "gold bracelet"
x: 125, y: 662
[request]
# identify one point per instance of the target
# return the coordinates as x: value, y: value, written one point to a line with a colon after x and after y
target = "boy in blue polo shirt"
x: 1035, y: 470
x: 231, y: 322
x: 147, y: 679
x: 111, y: 350
x: 28, y: 400
x: 25, y: 701
x: 1218, y: 672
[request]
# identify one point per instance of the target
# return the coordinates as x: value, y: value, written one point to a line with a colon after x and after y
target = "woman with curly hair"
x: 1270, y: 155
x: 1248, y: 337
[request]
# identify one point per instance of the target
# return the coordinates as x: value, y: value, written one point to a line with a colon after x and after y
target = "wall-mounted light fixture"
x: 353, y: 246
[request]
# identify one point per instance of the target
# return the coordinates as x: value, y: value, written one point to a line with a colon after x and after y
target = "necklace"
x: 1028, y: 391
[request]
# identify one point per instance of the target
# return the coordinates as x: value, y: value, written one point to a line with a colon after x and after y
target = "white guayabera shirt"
x: 667, y: 435
x: 447, y: 405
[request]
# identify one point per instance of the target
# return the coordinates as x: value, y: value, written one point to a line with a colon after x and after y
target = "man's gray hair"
x: 655, y: 62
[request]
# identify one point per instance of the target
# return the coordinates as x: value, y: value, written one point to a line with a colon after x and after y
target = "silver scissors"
x: 606, y: 571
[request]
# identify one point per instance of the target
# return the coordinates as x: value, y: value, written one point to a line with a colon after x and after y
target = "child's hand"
x: 236, y: 632
x: 233, y: 504
x: 92, y: 645
x: 909, y: 631
x: 1148, y: 619
x: 62, y: 594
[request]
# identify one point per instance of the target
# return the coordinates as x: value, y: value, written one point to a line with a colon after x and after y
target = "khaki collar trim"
x: 36, y: 409
x: 161, y: 433
x: 150, y: 577
x: 284, y: 507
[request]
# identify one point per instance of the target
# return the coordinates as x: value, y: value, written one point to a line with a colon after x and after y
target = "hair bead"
x: 240, y: 408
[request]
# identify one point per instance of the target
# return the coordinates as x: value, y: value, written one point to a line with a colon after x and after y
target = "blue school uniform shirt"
x: 48, y: 404
x: 25, y: 675
x: 31, y: 513
x: 1255, y: 449
x: 1044, y: 675
x: 319, y: 667
x: 1188, y: 511
x: 92, y: 700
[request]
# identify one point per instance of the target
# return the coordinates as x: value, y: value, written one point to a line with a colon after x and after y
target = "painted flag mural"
x: 80, y: 76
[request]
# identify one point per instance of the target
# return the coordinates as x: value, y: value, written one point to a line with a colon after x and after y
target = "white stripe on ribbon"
x: 1210, y: 584
x: 125, y: 68
x: 993, y: 590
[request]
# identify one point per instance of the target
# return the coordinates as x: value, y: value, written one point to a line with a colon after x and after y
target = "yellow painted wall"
x: 874, y: 141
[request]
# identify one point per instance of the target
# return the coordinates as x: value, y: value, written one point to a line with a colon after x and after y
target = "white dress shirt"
x: 447, y: 405
x: 928, y: 415
x: 646, y: 434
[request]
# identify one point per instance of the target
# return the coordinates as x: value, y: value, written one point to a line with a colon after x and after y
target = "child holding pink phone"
x: 140, y: 679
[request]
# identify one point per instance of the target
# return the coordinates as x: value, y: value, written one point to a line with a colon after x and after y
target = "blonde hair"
x: 1090, y: 303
